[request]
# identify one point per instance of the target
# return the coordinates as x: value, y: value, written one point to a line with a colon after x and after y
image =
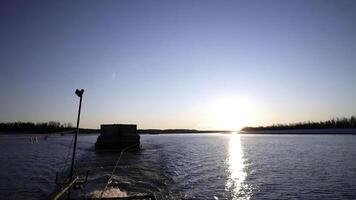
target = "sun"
x: 231, y: 113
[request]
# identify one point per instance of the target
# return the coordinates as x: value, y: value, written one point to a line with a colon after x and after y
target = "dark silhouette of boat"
x: 118, y: 137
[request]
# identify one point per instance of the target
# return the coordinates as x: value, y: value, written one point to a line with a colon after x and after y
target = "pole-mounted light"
x: 79, y: 93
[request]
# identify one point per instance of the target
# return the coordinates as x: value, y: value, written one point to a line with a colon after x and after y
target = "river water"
x: 188, y: 166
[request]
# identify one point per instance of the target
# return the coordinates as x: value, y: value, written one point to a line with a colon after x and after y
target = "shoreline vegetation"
x: 338, y: 123
x: 333, y: 126
x: 53, y: 127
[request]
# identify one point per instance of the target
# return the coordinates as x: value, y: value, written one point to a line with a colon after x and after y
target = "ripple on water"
x: 191, y: 166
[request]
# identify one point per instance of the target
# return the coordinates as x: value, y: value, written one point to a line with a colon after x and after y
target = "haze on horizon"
x: 178, y: 64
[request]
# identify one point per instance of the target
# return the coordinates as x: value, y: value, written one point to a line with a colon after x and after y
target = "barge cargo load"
x: 118, y: 137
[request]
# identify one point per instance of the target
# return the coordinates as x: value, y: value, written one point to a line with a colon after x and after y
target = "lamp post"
x: 79, y: 93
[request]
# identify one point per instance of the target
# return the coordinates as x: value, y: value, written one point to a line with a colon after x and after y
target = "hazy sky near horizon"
x: 178, y: 64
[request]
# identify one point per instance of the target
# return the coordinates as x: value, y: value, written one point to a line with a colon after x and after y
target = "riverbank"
x: 97, y: 131
x: 265, y: 132
x: 331, y: 131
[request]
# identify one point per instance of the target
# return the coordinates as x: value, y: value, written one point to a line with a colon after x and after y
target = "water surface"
x: 204, y: 166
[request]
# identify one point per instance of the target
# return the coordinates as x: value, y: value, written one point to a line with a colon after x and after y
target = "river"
x: 188, y: 166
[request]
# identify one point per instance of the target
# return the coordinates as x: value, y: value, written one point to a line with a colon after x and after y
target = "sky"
x: 178, y: 64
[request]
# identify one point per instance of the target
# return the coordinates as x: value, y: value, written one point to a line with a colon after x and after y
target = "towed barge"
x: 116, y: 137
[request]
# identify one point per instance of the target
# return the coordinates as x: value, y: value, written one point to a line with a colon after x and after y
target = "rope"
x: 113, y: 171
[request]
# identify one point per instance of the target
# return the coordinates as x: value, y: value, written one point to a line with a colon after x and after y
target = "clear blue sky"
x: 178, y: 64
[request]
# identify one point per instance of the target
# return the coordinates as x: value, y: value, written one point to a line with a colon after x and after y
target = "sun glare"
x: 237, y: 172
x: 231, y: 113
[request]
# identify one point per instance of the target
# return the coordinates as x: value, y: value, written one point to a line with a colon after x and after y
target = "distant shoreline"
x: 310, y: 126
x: 97, y: 131
x: 49, y: 132
x: 325, y: 131
x: 332, y: 126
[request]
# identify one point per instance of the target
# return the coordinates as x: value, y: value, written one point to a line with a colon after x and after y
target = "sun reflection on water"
x: 237, y: 175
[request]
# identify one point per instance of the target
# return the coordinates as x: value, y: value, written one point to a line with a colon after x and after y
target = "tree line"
x: 41, y: 127
x: 332, y: 123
